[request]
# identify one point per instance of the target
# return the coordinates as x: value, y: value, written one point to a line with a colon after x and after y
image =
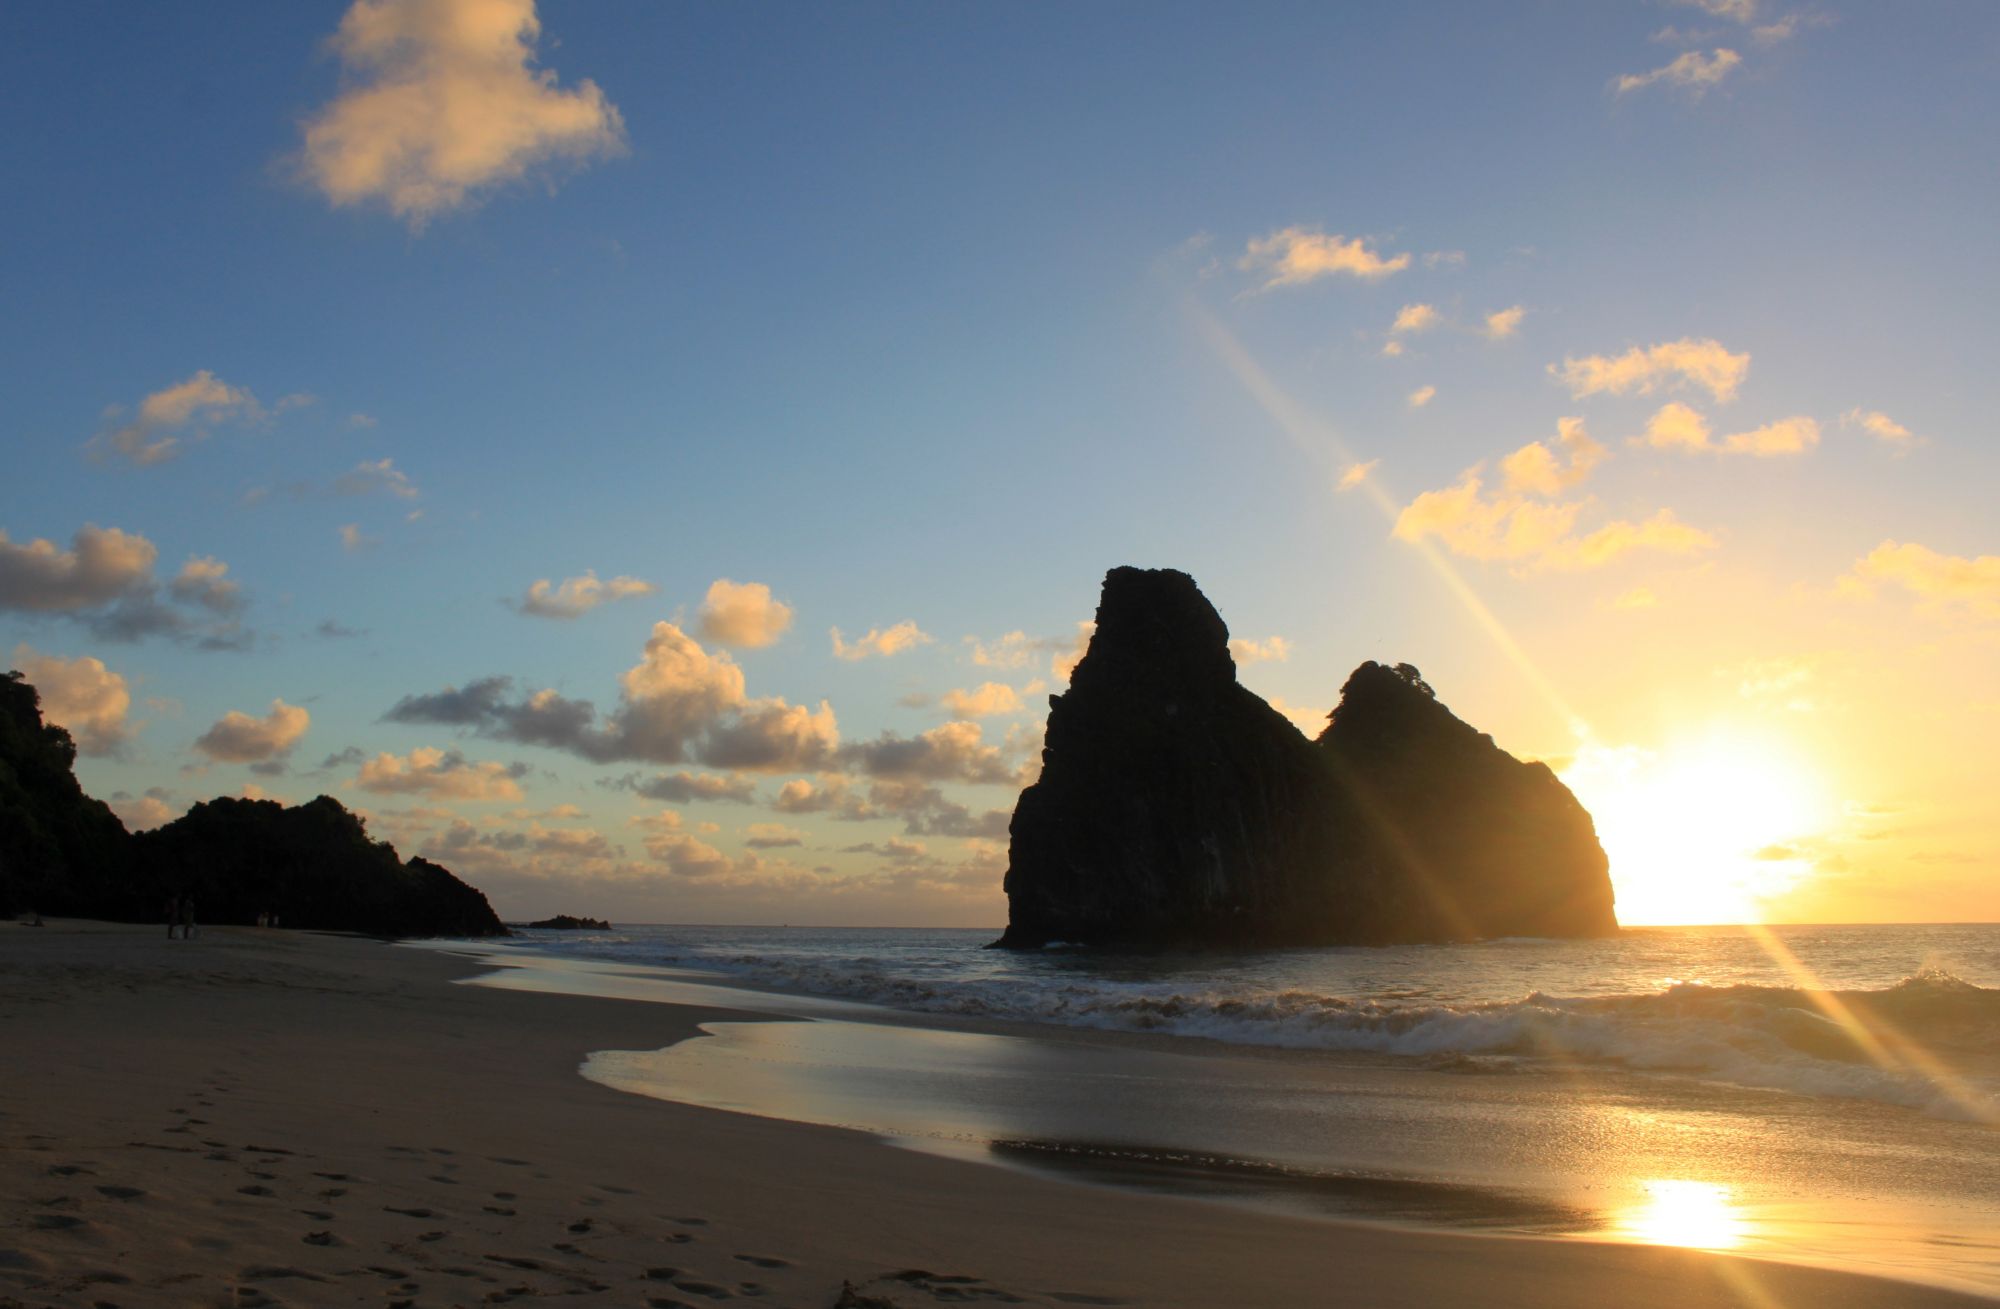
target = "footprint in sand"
x: 501, y: 1211
x: 511, y: 1163
x: 409, y: 1213
x: 677, y: 1238
x: 58, y: 1223
x: 690, y: 1222
x: 121, y: 1192
x: 764, y: 1261
x: 338, y: 1177
x: 580, y: 1226
x: 709, y: 1289
x: 255, y: 1190
x: 69, y: 1170
x: 320, y: 1238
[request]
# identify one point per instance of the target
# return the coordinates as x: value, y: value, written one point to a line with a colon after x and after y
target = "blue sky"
x: 928, y: 314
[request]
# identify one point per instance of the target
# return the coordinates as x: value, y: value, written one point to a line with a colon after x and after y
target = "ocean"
x: 1827, y: 1095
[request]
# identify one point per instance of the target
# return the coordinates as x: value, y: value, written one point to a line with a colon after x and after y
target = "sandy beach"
x: 265, y: 1118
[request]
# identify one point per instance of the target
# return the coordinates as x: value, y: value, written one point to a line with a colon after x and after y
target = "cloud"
x: 1737, y: 11
x: 1422, y: 396
x: 1415, y: 318
x: 952, y: 752
x: 1535, y: 535
x: 1503, y: 323
x: 1639, y: 597
x: 742, y: 615
x: 881, y: 643
x: 441, y: 774
x: 1939, y: 578
x: 82, y: 695
x: 200, y: 401
x: 920, y: 805
x: 1070, y: 653
x: 102, y: 565
x: 987, y: 700
x: 380, y: 476
x: 1295, y: 256
x: 685, y: 788
x: 1677, y: 427
x: 1246, y: 651
x: 329, y: 630
x: 354, y: 540
x: 442, y: 103
x: 1693, y: 72
x: 1308, y: 720
x: 1445, y: 259
x: 1537, y: 469
x: 145, y: 812
x: 240, y: 739
x: 1355, y: 474
x: 679, y: 703
x: 1880, y: 426
x: 574, y: 597
x: 1014, y: 650
x: 1703, y: 363
x: 1392, y: 349
x: 771, y: 836
x: 203, y: 581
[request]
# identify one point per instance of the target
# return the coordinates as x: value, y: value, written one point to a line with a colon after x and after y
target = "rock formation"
x: 570, y: 923
x: 1176, y: 807
x: 313, y: 865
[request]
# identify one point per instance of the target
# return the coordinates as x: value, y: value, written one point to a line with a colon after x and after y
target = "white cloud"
x: 102, y: 565
x: 1537, y: 469
x: 1693, y: 72
x: 1703, y: 363
x: 880, y: 642
x: 238, y: 738
x: 1880, y: 426
x: 954, y: 751
x: 1392, y: 349
x: 204, y: 581
x: 1415, y: 318
x: 144, y: 813
x: 1503, y: 323
x: 575, y: 596
x: 1274, y: 649
x: 1355, y: 474
x: 371, y: 476
x: 354, y: 540
x: 772, y: 836
x: 82, y: 695
x: 1445, y: 259
x: 1535, y: 535
x: 1422, y: 396
x: 1737, y: 11
x: 1296, y: 255
x: 743, y: 615
x: 987, y: 700
x: 1940, y: 578
x: 440, y: 774
x: 442, y: 103
x: 150, y: 438
x: 1677, y: 427
x: 1308, y: 720
x: 1068, y: 656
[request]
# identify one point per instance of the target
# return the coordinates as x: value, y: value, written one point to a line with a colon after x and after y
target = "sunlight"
x: 1692, y: 1215
x: 1703, y: 831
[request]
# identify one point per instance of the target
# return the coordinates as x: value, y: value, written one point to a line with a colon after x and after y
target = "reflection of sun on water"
x: 1695, y: 1215
x: 1700, y: 832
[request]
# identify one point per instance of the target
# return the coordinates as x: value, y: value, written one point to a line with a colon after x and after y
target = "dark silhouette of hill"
x: 1176, y: 807
x: 313, y: 865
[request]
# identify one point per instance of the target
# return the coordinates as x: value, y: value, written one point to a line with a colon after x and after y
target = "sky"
x: 658, y: 461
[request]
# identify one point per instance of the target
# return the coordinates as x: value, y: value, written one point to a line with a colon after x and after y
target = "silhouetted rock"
x: 571, y: 923
x: 1176, y: 807
x: 61, y: 852
x: 313, y: 865
x: 1478, y: 843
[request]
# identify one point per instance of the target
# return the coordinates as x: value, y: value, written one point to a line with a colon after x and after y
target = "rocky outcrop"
x: 570, y: 923
x: 313, y: 865
x: 1176, y: 807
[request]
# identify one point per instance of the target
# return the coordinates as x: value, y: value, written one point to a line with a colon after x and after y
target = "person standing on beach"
x: 187, y: 918
x: 173, y: 915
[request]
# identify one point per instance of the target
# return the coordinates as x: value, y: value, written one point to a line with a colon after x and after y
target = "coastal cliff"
x: 314, y: 865
x: 1176, y: 807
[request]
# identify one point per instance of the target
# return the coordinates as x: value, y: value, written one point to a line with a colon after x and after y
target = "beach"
x: 265, y: 1117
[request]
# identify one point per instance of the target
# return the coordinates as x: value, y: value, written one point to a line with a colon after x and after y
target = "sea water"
x: 1821, y: 1094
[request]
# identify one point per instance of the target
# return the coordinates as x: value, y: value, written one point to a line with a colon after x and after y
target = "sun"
x: 1705, y: 830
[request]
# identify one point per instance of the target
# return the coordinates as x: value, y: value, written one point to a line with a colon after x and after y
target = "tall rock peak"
x: 1176, y: 807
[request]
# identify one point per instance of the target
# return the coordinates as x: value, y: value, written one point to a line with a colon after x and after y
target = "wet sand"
x: 264, y: 1118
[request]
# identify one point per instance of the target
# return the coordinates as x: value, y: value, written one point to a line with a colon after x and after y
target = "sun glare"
x: 1707, y: 830
x: 1693, y: 1215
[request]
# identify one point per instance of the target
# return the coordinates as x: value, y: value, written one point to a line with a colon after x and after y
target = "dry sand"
x: 264, y: 1118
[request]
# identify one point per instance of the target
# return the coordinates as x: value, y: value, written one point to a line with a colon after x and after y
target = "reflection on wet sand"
x: 1695, y: 1215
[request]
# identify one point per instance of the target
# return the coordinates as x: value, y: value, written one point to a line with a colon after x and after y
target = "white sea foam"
x: 1885, y: 1043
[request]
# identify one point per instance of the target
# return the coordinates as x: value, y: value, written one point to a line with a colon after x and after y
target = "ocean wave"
x: 1930, y: 1042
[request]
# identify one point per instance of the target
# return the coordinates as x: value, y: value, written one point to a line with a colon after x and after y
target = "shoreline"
x: 263, y: 1117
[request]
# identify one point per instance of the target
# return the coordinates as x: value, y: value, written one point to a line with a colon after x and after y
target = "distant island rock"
x: 312, y: 865
x: 571, y: 923
x: 1175, y: 807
